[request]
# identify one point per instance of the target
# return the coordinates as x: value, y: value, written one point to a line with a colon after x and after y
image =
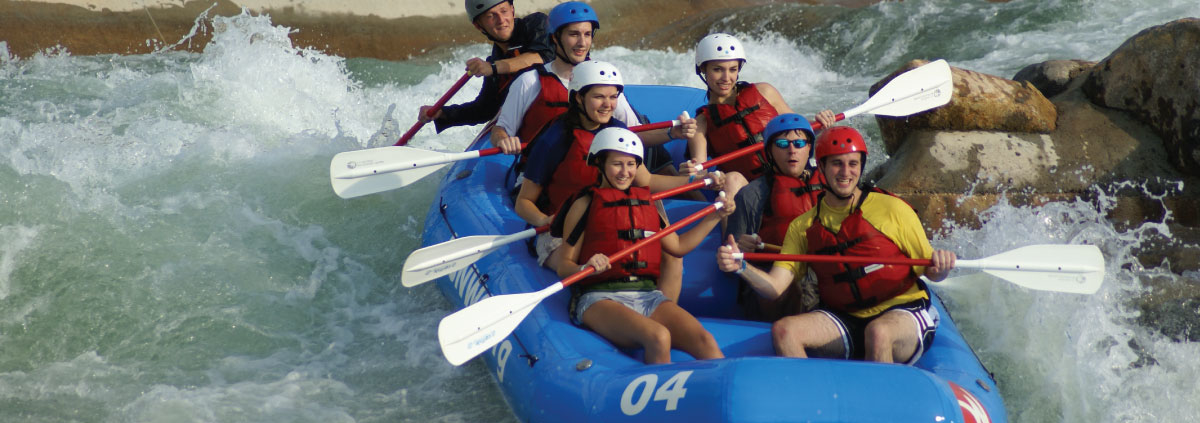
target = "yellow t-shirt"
x: 890, y: 215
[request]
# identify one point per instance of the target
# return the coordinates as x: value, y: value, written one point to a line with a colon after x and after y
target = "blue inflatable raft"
x: 553, y: 371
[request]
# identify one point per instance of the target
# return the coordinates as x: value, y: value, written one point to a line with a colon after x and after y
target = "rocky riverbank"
x: 1125, y: 129
x: 90, y: 27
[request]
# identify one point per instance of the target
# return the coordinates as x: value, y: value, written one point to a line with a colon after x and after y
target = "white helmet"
x: 477, y: 7
x: 718, y: 47
x: 615, y: 139
x: 594, y: 72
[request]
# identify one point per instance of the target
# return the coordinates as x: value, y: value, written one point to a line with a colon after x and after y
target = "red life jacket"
x: 573, y: 173
x: 845, y: 287
x: 549, y: 104
x: 615, y: 220
x: 790, y: 197
x: 737, y: 126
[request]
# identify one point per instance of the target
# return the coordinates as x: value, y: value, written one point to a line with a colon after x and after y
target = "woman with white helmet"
x: 557, y: 166
x: 622, y: 301
x: 736, y: 113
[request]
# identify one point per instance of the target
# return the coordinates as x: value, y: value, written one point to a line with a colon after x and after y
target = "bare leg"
x: 795, y: 335
x: 687, y: 333
x: 670, y: 277
x: 891, y: 338
x: 629, y: 329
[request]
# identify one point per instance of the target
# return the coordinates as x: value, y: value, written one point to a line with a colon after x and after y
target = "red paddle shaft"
x: 653, y: 238
x: 810, y: 258
x: 433, y: 110
x: 749, y: 149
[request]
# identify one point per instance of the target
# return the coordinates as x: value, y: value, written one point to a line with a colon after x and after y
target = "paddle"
x: 1076, y: 269
x: 442, y: 259
x: 462, y: 80
x: 466, y: 333
x: 926, y: 87
x: 368, y: 171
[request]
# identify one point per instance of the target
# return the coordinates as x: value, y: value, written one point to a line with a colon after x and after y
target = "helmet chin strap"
x: 829, y: 189
x: 490, y: 37
x: 561, y: 51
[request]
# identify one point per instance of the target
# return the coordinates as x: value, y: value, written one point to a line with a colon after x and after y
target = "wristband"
x: 742, y: 269
x: 582, y: 267
x: 691, y: 178
x: 494, y: 71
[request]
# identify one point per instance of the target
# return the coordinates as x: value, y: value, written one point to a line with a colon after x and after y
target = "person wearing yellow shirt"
x: 874, y: 312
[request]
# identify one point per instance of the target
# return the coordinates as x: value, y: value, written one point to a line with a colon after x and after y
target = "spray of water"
x: 172, y: 249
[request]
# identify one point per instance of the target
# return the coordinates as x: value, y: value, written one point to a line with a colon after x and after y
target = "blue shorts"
x: 644, y: 302
x: 853, y: 328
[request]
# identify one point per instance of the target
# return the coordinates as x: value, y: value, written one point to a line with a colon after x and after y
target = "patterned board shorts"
x: 644, y: 302
x: 853, y: 328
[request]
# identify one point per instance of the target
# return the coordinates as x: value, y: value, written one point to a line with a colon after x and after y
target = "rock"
x: 1155, y: 76
x: 1170, y: 307
x: 1051, y: 77
x: 974, y: 161
x: 1068, y: 158
x: 981, y: 102
x: 953, y: 175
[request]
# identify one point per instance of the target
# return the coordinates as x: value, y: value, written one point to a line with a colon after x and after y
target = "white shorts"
x: 643, y: 302
x: 545, y: 244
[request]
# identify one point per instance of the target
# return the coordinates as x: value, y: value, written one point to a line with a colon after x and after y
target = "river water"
x: 171, y: 250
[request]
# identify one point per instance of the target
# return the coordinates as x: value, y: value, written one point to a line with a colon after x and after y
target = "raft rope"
x: 483, y: 280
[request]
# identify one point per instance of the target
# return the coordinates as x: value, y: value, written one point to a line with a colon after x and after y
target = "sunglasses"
x: 783, y: 143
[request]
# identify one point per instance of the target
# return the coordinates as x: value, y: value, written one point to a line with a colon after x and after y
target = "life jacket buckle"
x: 634, y: 234
x: 634, y: 265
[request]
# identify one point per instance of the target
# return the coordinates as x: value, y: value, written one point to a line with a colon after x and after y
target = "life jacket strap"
x: 627, y: 202
x: 634, y: 234
x: 839, y: 248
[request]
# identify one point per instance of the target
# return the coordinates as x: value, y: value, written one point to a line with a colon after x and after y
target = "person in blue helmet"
x: 789, y: 187
x: 518, y: 43
x: 538, y: 96
x: 870, y: 312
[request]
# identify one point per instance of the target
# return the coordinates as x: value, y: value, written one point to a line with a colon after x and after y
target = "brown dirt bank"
x: 29, y: 27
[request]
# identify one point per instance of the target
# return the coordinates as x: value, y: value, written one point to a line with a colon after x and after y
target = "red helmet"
x: 840, y: 140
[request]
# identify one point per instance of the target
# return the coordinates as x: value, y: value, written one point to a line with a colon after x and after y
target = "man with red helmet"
x: 875, y: 312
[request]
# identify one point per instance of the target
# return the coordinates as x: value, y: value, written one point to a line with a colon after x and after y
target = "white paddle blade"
x: 345, y: 168
x: 926, y: 87
x: 357, y: 187
x: 472, y: 330
x: 435, y: 261
x: 359, y: 163
x: 1076, y: 269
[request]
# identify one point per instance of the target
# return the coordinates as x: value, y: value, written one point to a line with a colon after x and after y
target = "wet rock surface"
x: 1117, y: 132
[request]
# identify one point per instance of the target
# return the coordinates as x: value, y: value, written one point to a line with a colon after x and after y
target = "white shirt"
x: 525, y: 89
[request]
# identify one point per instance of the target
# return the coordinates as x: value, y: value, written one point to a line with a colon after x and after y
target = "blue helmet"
x: 572, y: 12
x: 787, y: 122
